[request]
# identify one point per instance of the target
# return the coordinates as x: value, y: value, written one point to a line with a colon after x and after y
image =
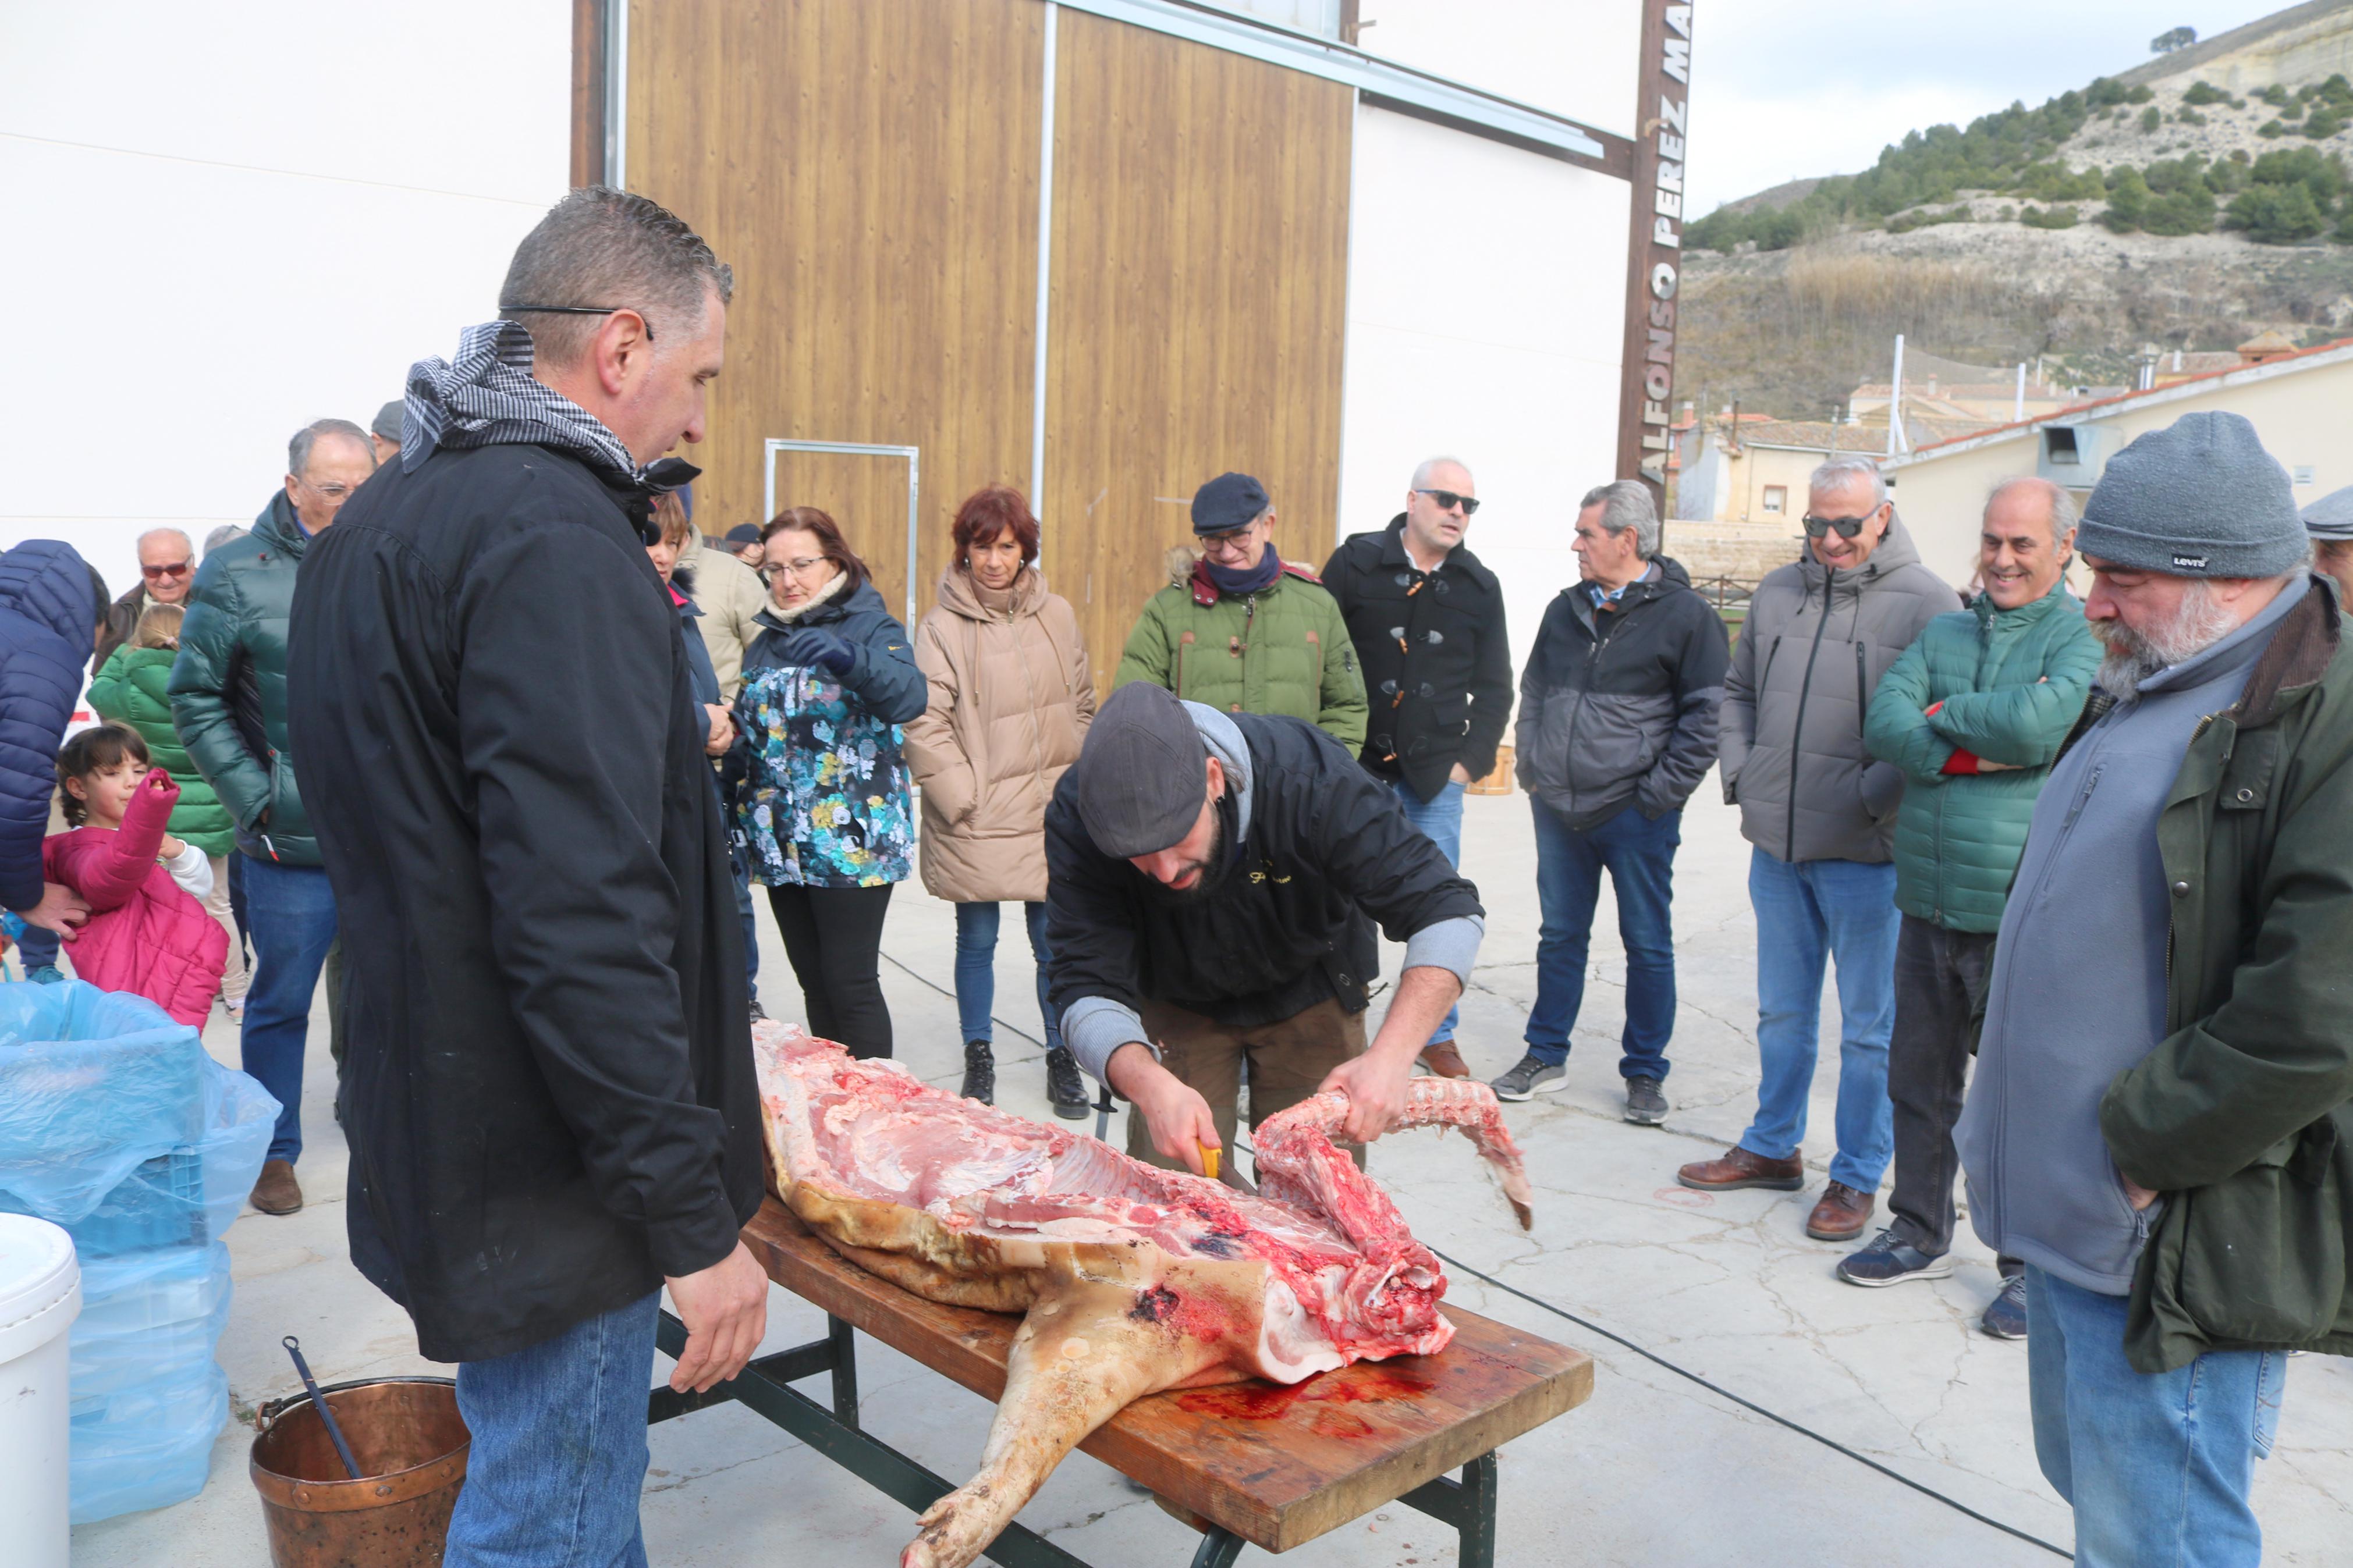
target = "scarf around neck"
x: 487, y: 396
x: 840, y: 581
x: 1248, y: 579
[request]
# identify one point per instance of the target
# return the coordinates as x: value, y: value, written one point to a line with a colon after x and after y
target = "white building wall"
x: 1573, y: 58
x: 228, y: 221
x: 1485, y: 290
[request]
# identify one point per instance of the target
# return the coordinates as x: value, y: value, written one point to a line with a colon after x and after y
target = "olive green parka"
x: 2242, y: 1115
x: 2007, y: 685
x: 1283, y: 649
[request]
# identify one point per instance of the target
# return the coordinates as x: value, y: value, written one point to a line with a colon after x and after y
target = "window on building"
x: 1777, y: 498
x: 2304, y: 473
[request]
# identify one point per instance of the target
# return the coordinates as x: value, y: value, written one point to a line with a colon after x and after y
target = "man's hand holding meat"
x: 1376, y: 1083
x: 1213, y: 883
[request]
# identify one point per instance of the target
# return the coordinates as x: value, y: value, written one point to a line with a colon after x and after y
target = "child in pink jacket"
x: 147, y: 931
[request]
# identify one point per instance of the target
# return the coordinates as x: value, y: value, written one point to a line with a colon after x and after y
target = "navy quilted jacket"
x: 48, y: 623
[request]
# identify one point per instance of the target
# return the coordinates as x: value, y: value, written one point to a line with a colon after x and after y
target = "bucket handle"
x: 266, y: 1414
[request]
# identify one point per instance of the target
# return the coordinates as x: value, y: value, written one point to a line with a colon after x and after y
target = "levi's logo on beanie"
x: 2200, y: 498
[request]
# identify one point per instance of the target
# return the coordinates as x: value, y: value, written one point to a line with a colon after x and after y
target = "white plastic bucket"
x: 40, y: 1296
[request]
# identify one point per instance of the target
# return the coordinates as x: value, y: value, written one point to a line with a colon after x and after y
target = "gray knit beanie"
x: 2198, y: 499
x: 2330, y: 517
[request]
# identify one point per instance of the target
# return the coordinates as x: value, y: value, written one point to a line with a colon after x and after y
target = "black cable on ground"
x: 1830, y: 1443
x: 951, y: 997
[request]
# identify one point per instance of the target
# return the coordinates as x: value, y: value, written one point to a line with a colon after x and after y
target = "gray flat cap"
x: 2330, y: 517
x: 2198, y: 499
x: 387, y: 421
x: 1142, y: 774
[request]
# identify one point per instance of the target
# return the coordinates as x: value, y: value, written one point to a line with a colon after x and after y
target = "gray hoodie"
x: 1809, y: 656
x: 2077, y: 991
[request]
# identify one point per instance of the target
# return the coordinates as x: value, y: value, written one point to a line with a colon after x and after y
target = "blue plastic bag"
x: 116, y: 1124
x: 93, y: 1084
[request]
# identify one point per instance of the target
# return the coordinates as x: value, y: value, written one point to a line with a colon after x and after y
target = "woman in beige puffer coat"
x: 1010, y: 700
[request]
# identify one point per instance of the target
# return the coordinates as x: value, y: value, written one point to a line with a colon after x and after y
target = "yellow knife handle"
x: 1209, y: 1161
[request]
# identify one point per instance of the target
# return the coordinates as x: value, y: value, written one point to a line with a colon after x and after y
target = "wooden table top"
x: 1275, y: 1465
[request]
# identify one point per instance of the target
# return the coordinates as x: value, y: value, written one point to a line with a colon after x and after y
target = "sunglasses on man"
x: 155, y: 574
x: 1848, y: 527
x: 1448, y: 500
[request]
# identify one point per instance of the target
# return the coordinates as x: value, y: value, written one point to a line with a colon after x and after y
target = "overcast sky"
x: 1782, y: 89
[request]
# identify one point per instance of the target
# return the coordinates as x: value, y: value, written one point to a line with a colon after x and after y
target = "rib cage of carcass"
x: 1133, y: 1279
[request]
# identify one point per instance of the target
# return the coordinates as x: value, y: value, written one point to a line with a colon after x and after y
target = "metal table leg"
x: 844, y: 1340
x: 1469, y: 1505
x: 1218, y: 1548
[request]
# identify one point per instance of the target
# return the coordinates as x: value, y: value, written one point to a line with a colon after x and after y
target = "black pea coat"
x: 548, y: 1090
x: 1437, y: 665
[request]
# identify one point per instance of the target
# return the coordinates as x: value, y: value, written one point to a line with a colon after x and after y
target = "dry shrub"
x: 1834, y: 293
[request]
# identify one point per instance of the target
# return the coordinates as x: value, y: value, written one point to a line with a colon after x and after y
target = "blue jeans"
x: 559, y: 1449
x: 975, y: 970
x: 1807, y: 913
x: 293, y: 912
x: 2156, y: 1468
x: 1639, y: 855
x: 1439, y: 820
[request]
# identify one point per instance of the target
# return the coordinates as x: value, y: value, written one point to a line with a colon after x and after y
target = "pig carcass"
x: 1132, y: 1279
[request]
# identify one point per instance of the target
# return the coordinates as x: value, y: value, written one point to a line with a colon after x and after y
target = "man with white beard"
x: 2161, y: 1124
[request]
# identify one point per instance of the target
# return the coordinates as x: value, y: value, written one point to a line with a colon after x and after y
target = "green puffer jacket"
x: 131, y: 690
x: 1285, y: 650
x: 2011, y: 683
x: 2243, y: 1116
x: 229, y: 686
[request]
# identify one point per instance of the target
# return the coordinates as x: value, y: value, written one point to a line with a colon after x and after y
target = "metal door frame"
x: 914, y: 456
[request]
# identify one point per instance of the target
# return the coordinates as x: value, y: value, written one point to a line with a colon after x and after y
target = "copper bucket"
x: 410, y: 1443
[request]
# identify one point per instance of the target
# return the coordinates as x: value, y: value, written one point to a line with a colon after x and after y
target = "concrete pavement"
x: 1656, y: 1469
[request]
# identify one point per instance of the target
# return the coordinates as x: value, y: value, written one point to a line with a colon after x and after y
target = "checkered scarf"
x: 488, y: 398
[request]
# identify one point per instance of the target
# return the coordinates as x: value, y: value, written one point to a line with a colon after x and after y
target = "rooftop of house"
x: 2291, y: 361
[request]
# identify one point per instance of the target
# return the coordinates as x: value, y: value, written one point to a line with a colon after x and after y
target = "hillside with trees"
x: 2154, y: 209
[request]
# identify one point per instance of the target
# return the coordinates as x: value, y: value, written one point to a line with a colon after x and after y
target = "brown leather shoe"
x: 1443, y: 1060
x: 1841, y: 1213
x: 276, y: 1192
x: 1739, y: 1168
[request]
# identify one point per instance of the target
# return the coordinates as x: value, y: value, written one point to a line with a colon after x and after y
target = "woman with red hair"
x: 1010, y: 699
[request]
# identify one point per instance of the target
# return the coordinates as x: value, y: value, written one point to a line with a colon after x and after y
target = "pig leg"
x: 1083, y: 1354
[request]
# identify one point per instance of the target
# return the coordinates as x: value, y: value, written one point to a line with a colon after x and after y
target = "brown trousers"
x: 1287, y: 1060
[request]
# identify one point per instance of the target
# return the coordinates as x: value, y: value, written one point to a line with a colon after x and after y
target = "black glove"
x: 818, y: 648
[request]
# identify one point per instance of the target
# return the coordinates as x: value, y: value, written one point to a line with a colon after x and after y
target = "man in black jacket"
x: 549, y: 1090
x: 1617, y: 715
x: 1208, y: 878
x: 1428, y: 621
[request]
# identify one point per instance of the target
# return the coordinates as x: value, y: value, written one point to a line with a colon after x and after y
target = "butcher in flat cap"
x: 1213, y: 879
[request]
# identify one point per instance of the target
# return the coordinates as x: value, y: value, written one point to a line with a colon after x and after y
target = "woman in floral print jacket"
x: 825, y: 805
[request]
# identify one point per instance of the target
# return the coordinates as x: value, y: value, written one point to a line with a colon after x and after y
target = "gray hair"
x: 298, y: 450
x: 180, y: 535
x: 2064, y: 513
x: 1626, y: 503
x: 1421, y: 474
x: 614, y: 250
x: 223, y: 535
x: 1837, y: 473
